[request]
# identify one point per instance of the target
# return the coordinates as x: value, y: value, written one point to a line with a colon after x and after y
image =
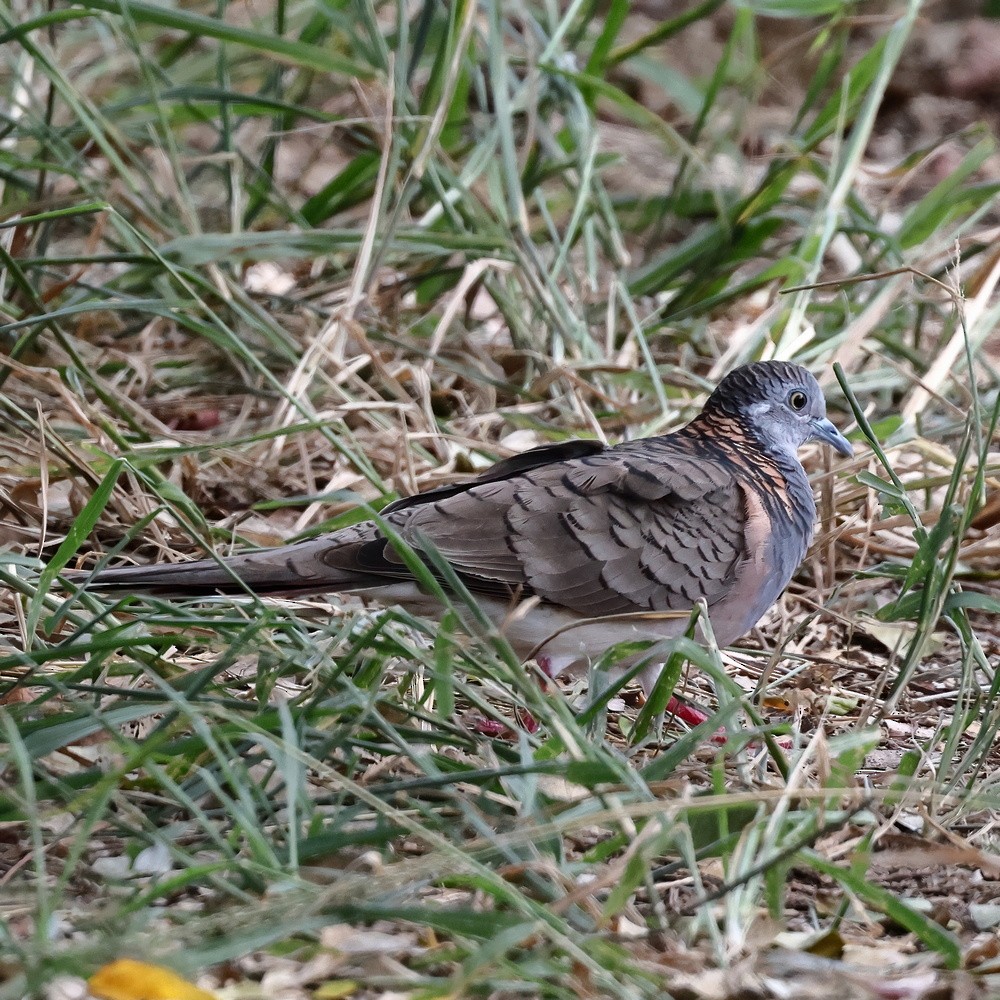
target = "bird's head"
x: 781, y: 403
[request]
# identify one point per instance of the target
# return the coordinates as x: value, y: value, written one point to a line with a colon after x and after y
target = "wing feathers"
x: 603, y: 534
x: 645, y: 526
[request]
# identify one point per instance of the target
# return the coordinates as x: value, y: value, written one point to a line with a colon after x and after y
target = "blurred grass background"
x: 260, y: 264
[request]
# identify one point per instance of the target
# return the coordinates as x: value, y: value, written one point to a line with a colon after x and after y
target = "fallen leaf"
x: 336, y: 989
x: 127, y: 979
x: 985, y: 915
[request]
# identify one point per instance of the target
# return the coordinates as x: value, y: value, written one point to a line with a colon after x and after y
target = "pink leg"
x: 548, y: 665
x: 686, y: 712
x: 492, y: 728
x: 693, y: 716
x: 551, y: 668
x: 528, y: 722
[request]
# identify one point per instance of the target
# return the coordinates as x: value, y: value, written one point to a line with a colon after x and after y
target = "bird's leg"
x: 493, y: 728
x: 550, y: 667
x: 686, y: 711
x: 694, y: 715
x: 680, y: 708
x: 553, y: 666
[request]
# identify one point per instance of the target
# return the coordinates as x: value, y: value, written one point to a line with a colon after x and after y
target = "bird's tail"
x: 301, y: 568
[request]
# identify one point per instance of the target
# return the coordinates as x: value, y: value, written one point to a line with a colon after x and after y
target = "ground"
x: 263, y: 265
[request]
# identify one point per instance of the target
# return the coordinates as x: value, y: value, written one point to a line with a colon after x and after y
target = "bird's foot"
x: 550, y: 667
x: 690, y: 713
x: 686, y: 711
x: 528, y: 722
x: 497, y: 730
x: 493, y: 728
x: 693, y: 715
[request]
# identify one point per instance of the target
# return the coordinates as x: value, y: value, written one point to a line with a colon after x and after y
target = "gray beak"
x: 823, y: 430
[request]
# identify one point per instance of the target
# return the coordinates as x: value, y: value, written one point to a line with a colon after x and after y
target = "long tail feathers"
x: 291, y: 569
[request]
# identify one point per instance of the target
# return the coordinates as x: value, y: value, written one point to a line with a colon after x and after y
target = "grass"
x: 261, y: 265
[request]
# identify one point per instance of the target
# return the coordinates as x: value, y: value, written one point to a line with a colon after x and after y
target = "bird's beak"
x: 823, y: 430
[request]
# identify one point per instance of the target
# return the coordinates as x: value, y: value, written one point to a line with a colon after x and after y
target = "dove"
x: 572, y: 548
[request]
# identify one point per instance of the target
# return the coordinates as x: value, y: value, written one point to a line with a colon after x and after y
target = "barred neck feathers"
x: 757, y: 418
x: 774, y: 470
x: 770, y: 408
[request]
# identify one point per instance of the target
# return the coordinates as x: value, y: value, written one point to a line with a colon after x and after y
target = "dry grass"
x: 243, y: 296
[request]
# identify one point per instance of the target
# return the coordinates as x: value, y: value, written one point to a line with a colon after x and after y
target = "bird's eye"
x: 797, y: 399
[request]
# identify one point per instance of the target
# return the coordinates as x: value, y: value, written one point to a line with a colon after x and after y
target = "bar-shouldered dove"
x: 605, y: 544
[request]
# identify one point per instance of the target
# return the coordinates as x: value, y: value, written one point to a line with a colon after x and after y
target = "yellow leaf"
x: 127, y: 979
x: 335, y: 989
